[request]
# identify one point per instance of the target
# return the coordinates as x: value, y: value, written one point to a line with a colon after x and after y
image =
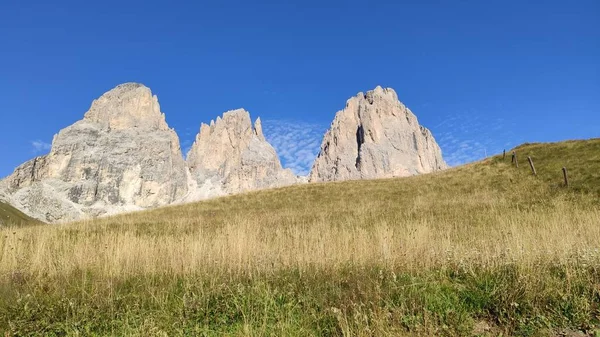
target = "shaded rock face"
x: 231, y: 156
x: 376, y: 136
x: 121, y: 157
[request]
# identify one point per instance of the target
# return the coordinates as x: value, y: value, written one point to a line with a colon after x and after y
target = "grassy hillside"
x: 485, y: 249
x: 12, y: 217
x: 581, y: 158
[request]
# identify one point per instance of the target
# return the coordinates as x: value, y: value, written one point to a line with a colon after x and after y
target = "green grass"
x: 485, y: 249
x: 579, y: 157
x: 12, y: 217
x: 373, y: 301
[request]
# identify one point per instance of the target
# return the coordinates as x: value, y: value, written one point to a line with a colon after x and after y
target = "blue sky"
x: 482, y: 75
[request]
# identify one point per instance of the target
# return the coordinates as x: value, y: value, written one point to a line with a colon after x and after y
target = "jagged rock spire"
x: 230, y: 156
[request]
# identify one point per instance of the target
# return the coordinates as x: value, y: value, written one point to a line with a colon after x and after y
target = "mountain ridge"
x: 123, y: 156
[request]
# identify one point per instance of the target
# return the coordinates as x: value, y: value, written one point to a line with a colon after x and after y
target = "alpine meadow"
x: 300, y: 168
x: 484, y: 249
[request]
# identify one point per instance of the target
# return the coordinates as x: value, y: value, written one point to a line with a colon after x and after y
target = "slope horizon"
x: 586, y: 180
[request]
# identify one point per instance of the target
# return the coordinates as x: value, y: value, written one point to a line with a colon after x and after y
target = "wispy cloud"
x: 464, y: 137
x: 40, y: 146
x: 468, y: 136
x: 297, y: 143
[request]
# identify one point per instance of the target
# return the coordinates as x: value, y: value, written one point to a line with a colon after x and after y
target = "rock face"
x: 122, y: 156
x: 231, y: 156
x: 376, y: 136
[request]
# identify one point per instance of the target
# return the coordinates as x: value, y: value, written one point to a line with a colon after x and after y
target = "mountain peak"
x: 128, y: 105
x: 376, y: 136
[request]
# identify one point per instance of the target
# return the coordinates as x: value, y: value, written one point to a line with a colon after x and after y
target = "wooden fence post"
x: 564, y: 169
x: 504, y: 155
x: 512, y: 160
x: 532, y: 167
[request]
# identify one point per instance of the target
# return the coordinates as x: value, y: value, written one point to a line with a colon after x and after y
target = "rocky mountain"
x: 376, y: 136
x: 121, y: 157
x: 232, y: 156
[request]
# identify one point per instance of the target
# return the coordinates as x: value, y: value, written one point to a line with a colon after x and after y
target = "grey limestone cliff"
x: 121, y: 156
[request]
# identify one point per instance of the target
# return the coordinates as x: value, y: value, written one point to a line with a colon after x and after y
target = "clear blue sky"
x: 482, y: 75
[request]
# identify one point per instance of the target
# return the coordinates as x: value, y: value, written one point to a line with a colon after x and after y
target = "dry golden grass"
x: 476, y: 219
x: 562, y: 231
